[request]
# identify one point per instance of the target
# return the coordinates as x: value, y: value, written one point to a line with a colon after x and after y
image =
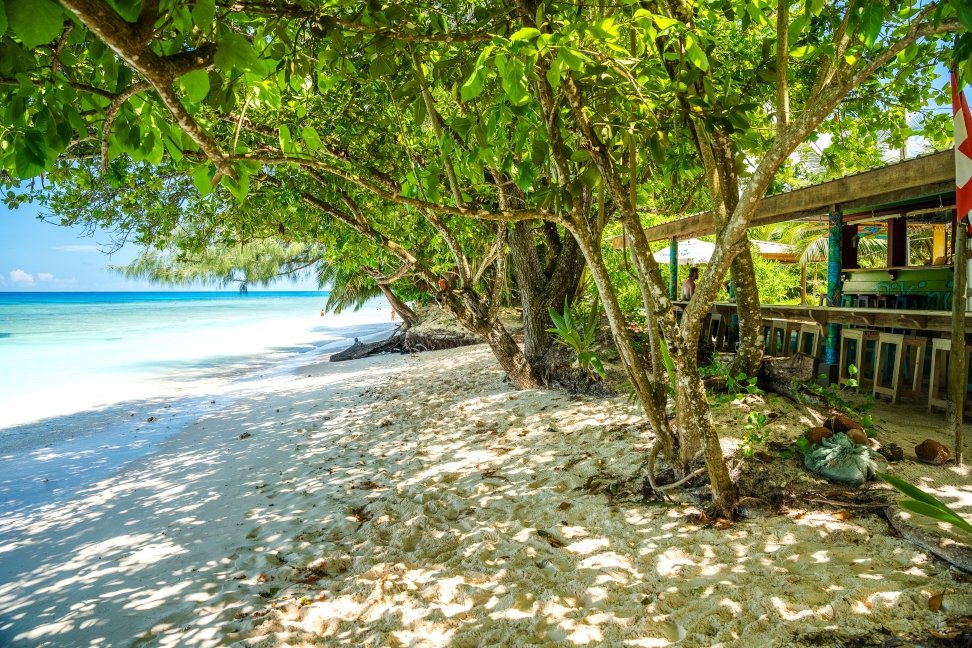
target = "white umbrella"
x: 695, y: 251
x: 690, y: 252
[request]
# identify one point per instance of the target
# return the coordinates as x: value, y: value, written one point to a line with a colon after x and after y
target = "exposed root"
x: 652, y: 456
x: 689, y: 477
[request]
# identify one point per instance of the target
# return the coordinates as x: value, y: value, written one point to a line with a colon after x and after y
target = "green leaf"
x: 195, y: 84
x: 553, y: 73
x: 696, y: 55
x: 203, y: 14
x: 284, y: 137
x: 127, y: 9
x: 35, y: 22
x: 239, y: 188
x: 911, y: 490
x: 311, y: 139
x: 802, y: 52
x: 203, y: 179
x: 963, y: 9
x: 935, y: 513
x: 527, y: 33
x: 872, y: 19
x: 234, y: 51
x: 473, y: 87
x: 663, y: 22
x: 571, y: 58
x: 3, y: 19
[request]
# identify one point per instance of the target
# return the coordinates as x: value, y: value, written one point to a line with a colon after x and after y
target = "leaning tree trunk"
x: 749, y: 355
x: 401, y: 308
x: 474, y: 315
x: 630, y: 360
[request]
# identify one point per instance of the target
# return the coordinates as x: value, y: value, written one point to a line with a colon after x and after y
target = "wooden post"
x: 898, y: 242
x: 803, y: 284
x: 957, y: 366
x: 673, y: 290
x: 836, y: 223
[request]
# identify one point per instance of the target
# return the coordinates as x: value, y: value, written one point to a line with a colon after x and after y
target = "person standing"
x: 688, y: 286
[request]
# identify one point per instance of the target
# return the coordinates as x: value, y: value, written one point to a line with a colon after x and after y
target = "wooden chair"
x: 909, y: 357
x: 941, y: 351
x: 808, y: 340
x: 783, y: 330
x: 861, y: 338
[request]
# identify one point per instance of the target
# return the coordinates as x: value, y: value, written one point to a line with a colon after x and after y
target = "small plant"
x: 925, y: 504
x: 579, y: 339
x: 852, y: 371
x: 741, y: 383
x: 755, y: 432
x: 669, y: 368
x: 801, y: 445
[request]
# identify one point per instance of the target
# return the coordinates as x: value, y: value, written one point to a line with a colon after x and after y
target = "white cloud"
x: 45, y: 276
x: 76, y: 248
x: 18, y: 276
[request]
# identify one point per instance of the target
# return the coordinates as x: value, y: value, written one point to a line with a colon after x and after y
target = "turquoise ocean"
x: 81, y: 374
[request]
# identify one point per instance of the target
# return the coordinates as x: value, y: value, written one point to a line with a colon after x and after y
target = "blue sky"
x: 39, y: 256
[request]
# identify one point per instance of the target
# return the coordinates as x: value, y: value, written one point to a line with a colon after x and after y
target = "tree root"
x: 652, y: 456
x: 659, y: 489
x: 689, y: 477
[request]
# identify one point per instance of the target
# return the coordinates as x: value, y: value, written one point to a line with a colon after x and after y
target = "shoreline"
x: 421, y: 500
x: 45, y: 460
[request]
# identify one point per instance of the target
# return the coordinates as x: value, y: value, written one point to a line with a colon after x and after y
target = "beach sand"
x: 419, y: 500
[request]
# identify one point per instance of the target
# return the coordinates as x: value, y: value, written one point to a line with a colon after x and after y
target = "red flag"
x: 963, y: 151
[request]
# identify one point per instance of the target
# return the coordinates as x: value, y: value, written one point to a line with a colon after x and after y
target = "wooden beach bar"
x: 891, y: 320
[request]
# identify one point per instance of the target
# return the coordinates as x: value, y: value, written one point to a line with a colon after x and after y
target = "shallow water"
x: 81, y: 373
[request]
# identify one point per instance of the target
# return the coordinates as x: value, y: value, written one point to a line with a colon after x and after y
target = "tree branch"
x: 125, y: 40
x: 112, y: 112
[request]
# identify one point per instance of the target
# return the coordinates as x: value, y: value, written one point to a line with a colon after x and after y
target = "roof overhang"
x: 912, y: 184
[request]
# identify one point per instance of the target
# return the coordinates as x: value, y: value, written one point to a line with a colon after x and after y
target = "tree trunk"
x: 541, y: 288
x: 474, y: 315
x: 692, y: 412
x: 750, y: 352
x: 400, y: 307
x: 630, y: 360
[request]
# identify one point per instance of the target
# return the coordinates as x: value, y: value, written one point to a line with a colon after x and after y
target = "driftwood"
x: 785, y: 375
x: 942, y: 542
x: 406, y: 342
x: 360, y: 350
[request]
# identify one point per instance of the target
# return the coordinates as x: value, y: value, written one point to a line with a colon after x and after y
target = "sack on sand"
x: 839, y: 459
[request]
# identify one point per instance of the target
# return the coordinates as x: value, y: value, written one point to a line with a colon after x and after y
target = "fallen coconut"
x: 932, y: 452
x: 818, y: 434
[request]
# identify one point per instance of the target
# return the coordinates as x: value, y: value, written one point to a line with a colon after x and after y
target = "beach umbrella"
x: 690, y: 252
x: 695, y: 251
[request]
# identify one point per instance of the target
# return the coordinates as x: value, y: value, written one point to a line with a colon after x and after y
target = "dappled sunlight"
x: 425, y: 503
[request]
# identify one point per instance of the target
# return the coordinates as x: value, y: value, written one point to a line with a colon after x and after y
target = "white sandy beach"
x: 419, y: 500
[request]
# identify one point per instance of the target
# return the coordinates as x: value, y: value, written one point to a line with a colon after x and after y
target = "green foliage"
x: 578, y: 337
x: 926, y: 504
x: 741, y: 384
x: 669, y: 369
x: 754, y: 432
x: 778, y: 283
x: 801, y: 445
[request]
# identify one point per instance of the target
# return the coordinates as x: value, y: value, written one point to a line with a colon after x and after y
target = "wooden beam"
x: 922, y: 177
x: 897, y: 243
